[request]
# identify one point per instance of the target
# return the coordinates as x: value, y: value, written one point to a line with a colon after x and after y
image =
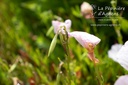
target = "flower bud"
x: 88, y: 41
x: 87, y: 10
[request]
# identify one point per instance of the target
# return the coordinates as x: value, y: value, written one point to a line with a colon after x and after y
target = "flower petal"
x: 113, y: 51
x: 85, y: 38
x: 56, y: 24
x: 68, y: 23
x: 88, y: 41
x: 122, y: 80
x: 122, y: 56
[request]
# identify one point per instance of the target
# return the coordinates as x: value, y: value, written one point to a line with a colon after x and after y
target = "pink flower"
x: 58, y: 25
x: 122, y: 80
x: 88, y: 41
x: 87, y: 10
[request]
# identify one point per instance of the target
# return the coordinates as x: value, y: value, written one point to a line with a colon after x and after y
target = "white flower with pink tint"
x: 84, y: 38
x: 122, y: 80
x: 113, y: 51
x: 59, y: 25
x: 122, y: 56
x: 88, y: 41
x: 119, y: 53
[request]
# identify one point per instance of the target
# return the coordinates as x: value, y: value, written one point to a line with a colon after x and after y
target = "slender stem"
x: 117, y: 28
x: 94, y: 27
x: 99, y: 77
x: 119, y: 35
x: 59, y: 74
x: 70, y: 75
x: 64, y: 42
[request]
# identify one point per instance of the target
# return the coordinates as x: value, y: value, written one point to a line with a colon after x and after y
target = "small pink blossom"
x: 87, y: 10
x: 88, y: 41
x: 57, y: 25
x: 122, y: 80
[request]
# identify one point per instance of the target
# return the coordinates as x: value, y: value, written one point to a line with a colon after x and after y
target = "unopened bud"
x: 87, y: 10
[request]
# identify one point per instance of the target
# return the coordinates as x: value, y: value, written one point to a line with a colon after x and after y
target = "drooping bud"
x: 88, y: 41
x: 87, y: 10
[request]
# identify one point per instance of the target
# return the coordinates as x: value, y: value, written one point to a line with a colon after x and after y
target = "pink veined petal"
x: 122, y: 80
x: 84, y: 38
x: 56, y: 24
x: 122, y: 56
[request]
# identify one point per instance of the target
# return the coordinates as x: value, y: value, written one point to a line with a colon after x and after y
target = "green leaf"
x: 49, y: 31
x: 123, y: 24
x: 76, y: 11
x: 58, y: 78
x: 72, y: 83
x: 12, y: 67
x: 53, y: 44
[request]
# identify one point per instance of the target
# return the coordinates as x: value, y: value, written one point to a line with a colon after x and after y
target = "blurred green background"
x: 24, y: 44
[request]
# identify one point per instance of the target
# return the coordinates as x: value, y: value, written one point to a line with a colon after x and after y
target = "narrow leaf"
x: 49, y: 31
x: 53, y: 44
x: 12, y: 67
x: 123, y: 23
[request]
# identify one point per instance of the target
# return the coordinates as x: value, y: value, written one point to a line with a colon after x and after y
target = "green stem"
x: 58, y: 78
x: 70, y: 75
x: 99, y: 77
x: 69, y: 71
x: 117, y: 28
x: 94, y: 27
x: 64, y: 42
x: 119, y: 35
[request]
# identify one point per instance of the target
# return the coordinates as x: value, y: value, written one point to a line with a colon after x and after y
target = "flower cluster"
x: 87, y: 40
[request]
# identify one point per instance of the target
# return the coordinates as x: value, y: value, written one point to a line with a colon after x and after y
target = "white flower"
x: 122, y: 56
x: 122, y: 80
x: 58, y: 25
x: 119, y: 54
x: 87, y: 10
x: 88, y: 41
x: 113, y: 51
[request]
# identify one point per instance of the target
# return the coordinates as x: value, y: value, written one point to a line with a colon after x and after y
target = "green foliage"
x: 25, y: 41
